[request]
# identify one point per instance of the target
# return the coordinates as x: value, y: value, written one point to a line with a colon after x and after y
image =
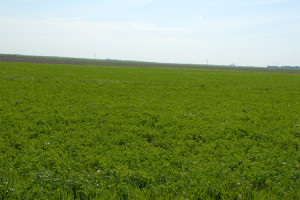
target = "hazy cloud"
x: 207, y: 25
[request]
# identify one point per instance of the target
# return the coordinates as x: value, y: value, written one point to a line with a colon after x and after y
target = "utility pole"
x: 207, y: 61
x: 94, y: 56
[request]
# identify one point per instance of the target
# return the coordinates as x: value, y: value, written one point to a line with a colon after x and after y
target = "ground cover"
x: 114, y: 132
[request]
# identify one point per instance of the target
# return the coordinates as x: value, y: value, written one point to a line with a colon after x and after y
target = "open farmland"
x: 112, y: 132
x: 122, y: 63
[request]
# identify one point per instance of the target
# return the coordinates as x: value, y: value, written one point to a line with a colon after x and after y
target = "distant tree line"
x: 285, y: 67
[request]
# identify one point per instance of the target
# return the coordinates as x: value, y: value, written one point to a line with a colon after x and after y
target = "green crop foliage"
x: 90, y: 132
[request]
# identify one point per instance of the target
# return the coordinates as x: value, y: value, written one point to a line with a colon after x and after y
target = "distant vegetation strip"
x: 122, y: 63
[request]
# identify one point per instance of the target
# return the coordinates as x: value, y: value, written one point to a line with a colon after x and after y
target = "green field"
x: 92, y: 132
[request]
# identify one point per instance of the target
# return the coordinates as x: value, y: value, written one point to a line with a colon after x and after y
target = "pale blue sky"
x: 243, y: 32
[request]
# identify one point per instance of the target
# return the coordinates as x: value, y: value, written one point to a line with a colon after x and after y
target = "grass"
x: 90, y: 132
